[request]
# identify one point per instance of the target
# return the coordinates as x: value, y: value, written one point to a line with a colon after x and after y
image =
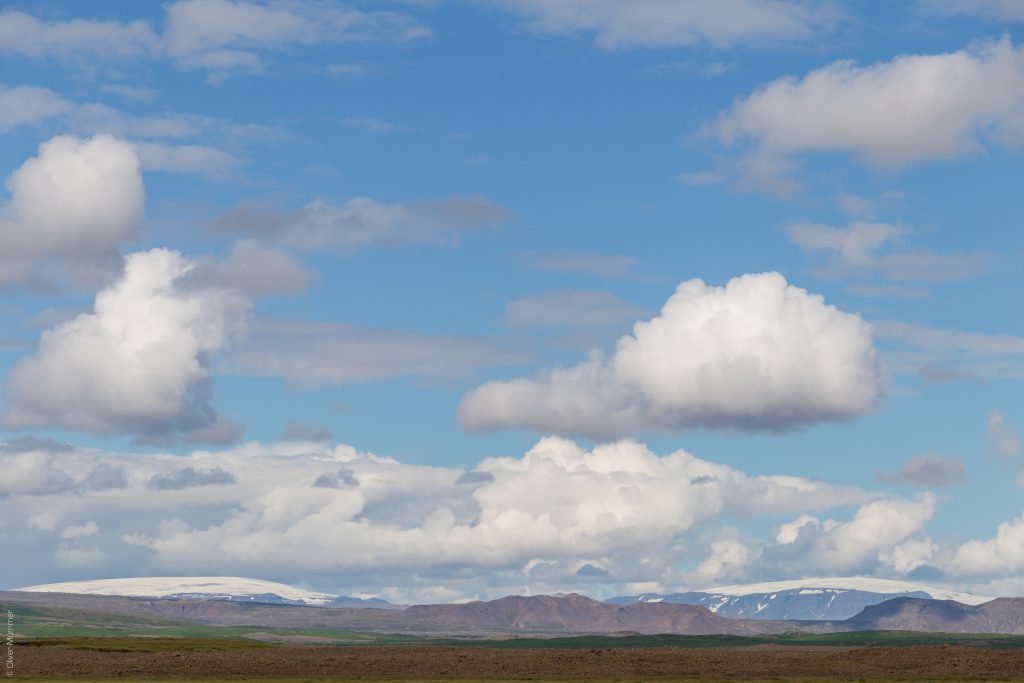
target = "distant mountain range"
x: 543, y: 614
x: 818, y: 605
x: 537, y: 615
x: 826, y: 599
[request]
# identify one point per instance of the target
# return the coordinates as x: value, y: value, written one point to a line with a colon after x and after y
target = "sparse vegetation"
x: 142, y: 644
x: 852, y: 639
x: 225, y: 638
x: 304, y: 679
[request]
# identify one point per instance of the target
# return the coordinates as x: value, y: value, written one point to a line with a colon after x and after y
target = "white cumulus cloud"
x: 881, y: 536
x: 912, y: 109
x: 908, y: 556
x: 137, y: 363
x: 72, y: 206
x: 1000, y: 556
x: 756, y: 354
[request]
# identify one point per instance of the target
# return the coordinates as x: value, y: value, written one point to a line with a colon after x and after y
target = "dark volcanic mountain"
x: 540, y: 614
x: 1002, y: 615
x: 579, y: 614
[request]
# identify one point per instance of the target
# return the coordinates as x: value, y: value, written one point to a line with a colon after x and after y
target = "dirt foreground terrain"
x: 435, y: 662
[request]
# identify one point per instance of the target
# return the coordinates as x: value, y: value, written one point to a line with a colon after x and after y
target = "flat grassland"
x: 233, y: 659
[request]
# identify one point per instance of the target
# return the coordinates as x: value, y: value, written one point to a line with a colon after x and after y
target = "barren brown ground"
x: 414, y: 662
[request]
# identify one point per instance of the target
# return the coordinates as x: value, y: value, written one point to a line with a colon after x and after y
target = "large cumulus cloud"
x: 557, y: 502
x: 136, y: 364
x: 615, y: 519
x: 756, y: 354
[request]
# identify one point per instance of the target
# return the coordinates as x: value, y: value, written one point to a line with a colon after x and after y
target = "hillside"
x: 579, y: 614
x: 1003, y: 615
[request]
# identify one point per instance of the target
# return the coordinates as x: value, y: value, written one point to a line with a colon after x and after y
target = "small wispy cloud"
x: 348, y: 71
x: 189, y: 477
x: 568, y: 308
x: 362, y: 222
x: 1003, y: 436
x: 373, y: 125
x: 220, y: 38
x: 941, y: 355
x: 692, y: 68
x: 605, y: 266
x: 132, y: 92
x: 701, y: 178
x: 872, y: 250
x: 926, y: 470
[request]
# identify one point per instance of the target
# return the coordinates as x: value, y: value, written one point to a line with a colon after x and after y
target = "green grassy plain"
x: 58, y: 623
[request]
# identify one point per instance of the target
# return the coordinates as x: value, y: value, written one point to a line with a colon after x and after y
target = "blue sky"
x: 374, y: 213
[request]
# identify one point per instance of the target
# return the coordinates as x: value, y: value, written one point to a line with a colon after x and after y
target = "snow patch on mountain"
x: 198, y: 587
x: 858, y: 583
x: 813, y: 599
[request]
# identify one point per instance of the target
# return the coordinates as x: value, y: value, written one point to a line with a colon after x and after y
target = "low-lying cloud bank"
x: 614, y: 519
x: 756, y: 354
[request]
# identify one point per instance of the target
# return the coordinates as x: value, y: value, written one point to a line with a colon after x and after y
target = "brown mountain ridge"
x: 1002, y: 615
